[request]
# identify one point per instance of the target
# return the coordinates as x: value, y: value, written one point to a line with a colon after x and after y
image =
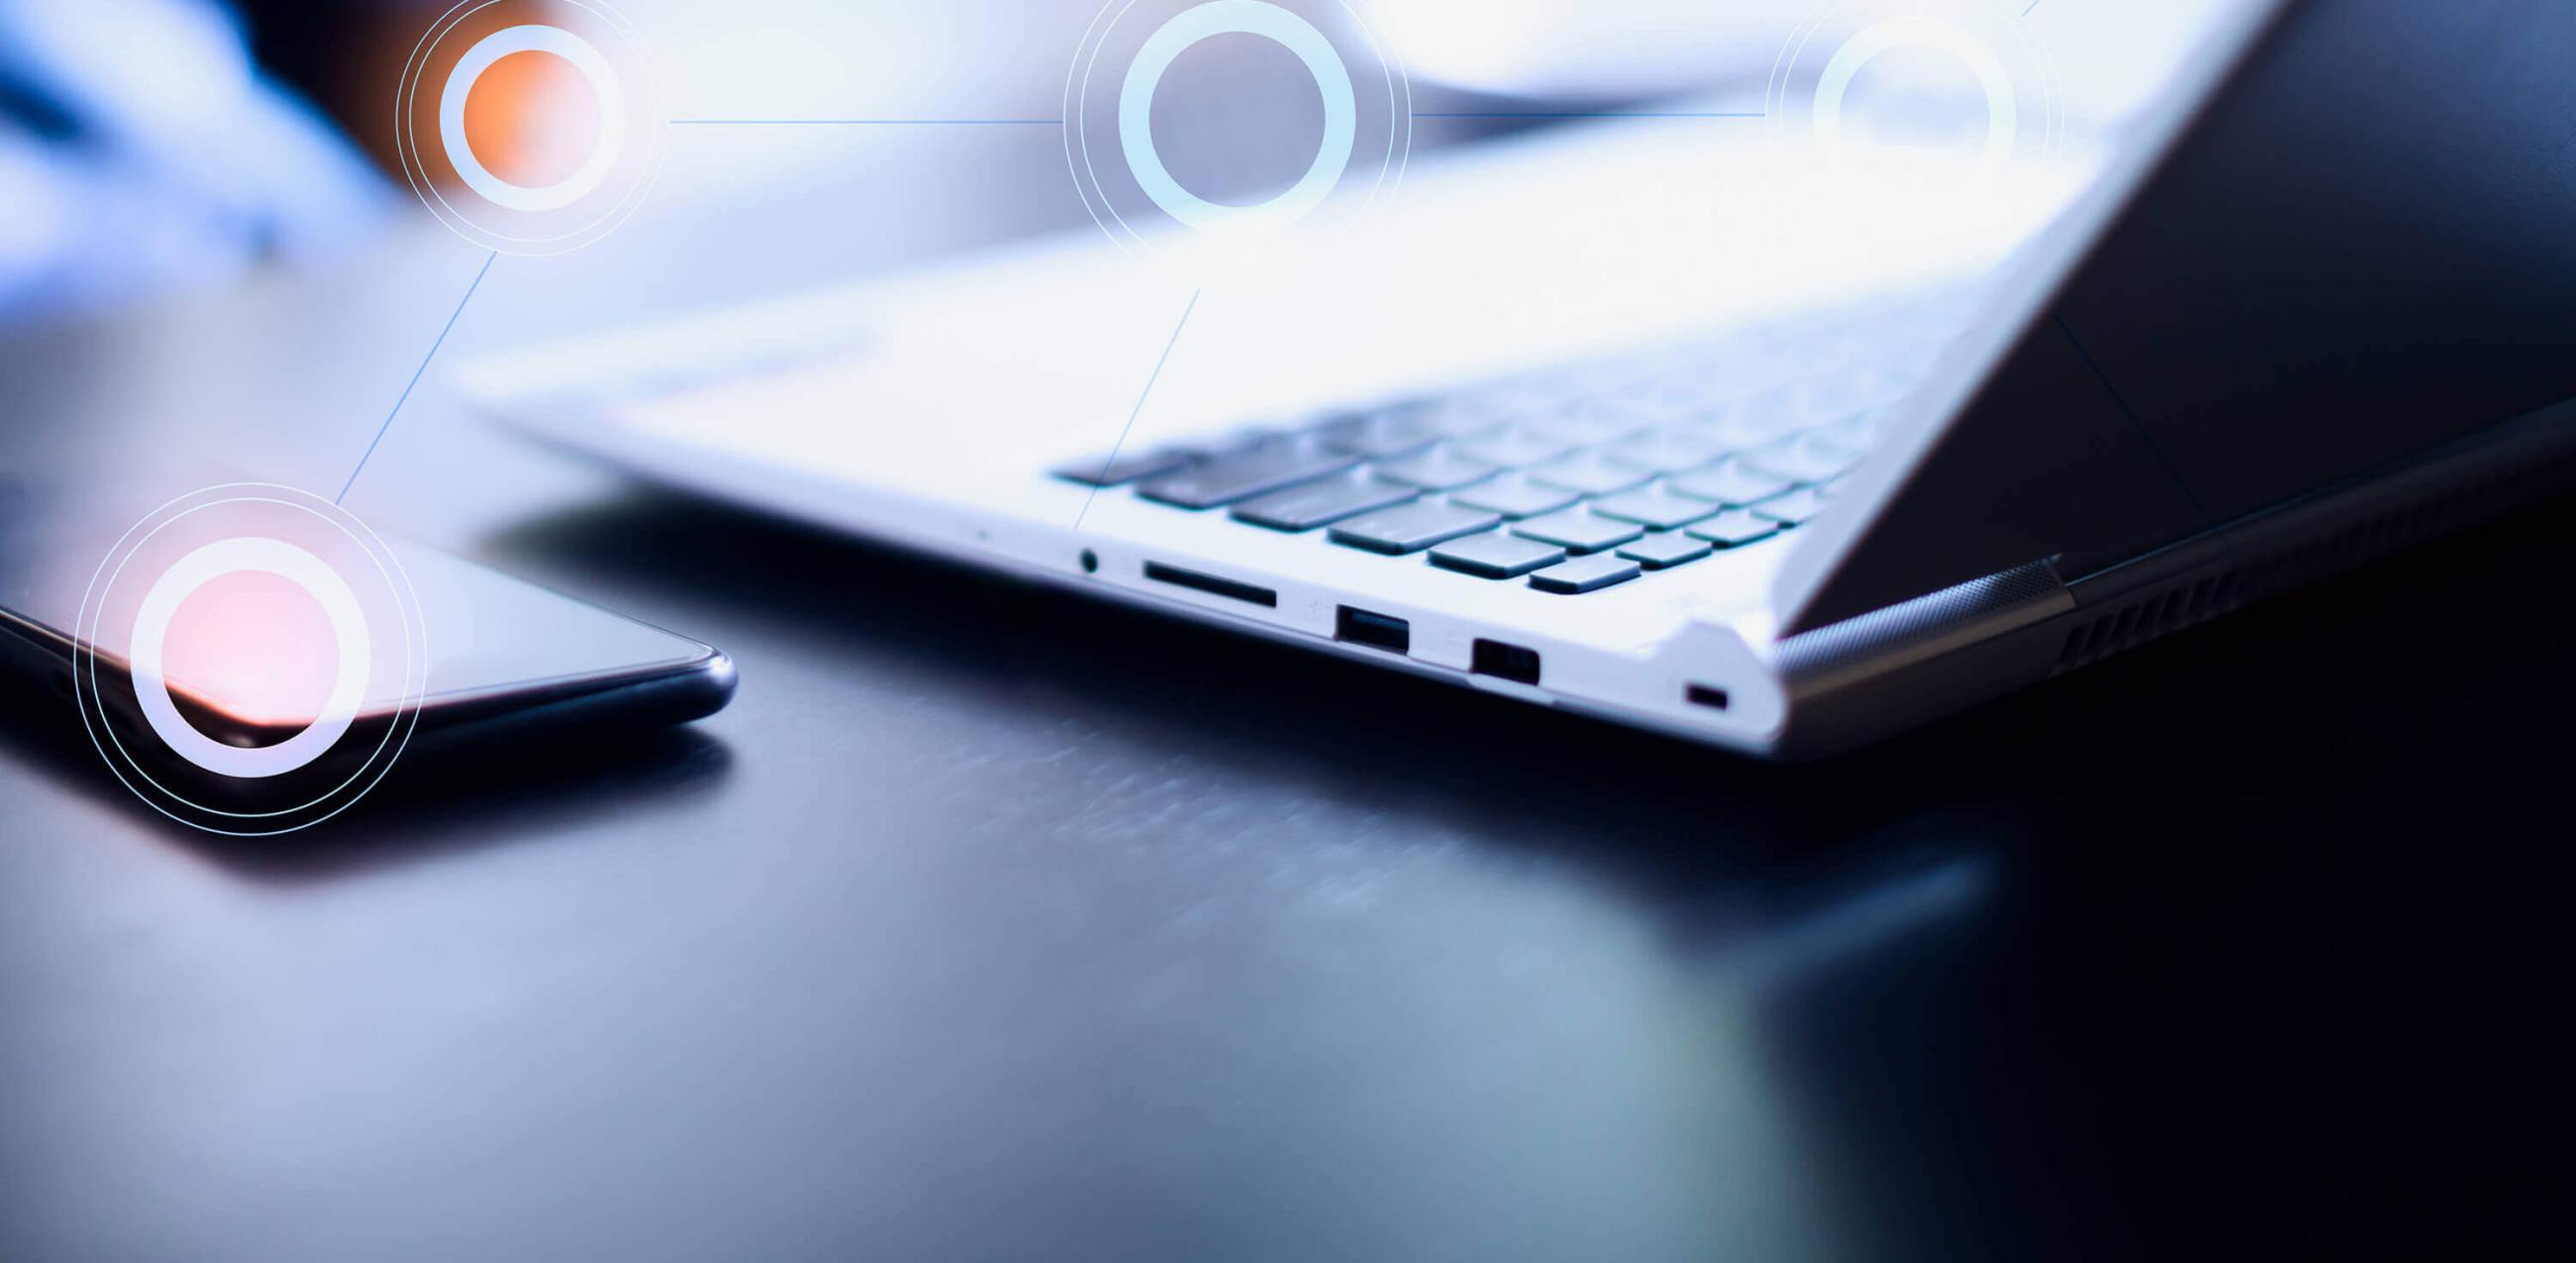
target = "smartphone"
x: 503, y: 660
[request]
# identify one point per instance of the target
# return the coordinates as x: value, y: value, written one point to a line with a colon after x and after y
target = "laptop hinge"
x: 1903, y: 634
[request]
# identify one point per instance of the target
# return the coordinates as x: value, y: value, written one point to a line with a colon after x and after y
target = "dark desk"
x: 992, y: 924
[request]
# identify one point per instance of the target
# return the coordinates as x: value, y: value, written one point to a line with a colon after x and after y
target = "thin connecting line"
x: 867, y: 122
x: 1139, y: 409
x: 415, y: 377
x: 1597, y: 114
x: 2144, y: 434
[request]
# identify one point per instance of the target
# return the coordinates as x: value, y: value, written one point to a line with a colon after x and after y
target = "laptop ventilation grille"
x: 2138, y: 622
x: 2366, y: 541
x: 2176, y: 608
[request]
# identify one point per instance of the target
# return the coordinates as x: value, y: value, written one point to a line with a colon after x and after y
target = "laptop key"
x: 1514, y: 447
x: 1589, y: 474
x: 1440, y: 469
x: 1244, y: 473
x: 1803, y: 459
x: 1585, y: 574
x: 1735, y: 528
x: 1412, y: 528
x: 1665, y: 551
x: 1577, y: 530
x: 1303, y: 508
x: 1668, y: 449
x: 1730, y: 484
x: 1598, y: 422
x: 1756, y: 424
x: 1853, y: 434
x: 1793, y: 509
x: 1513, y: 495
x: 1121, y: 468
x: 1379, y: 435
x: 1495, y: 555
x: 1454, y: 416
x: 1654, y: 508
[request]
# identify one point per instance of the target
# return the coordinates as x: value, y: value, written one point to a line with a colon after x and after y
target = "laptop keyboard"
x: 1573, y: 480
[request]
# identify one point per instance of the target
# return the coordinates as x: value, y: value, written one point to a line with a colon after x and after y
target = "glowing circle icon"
x: 584, y: 57
x: 1127, y: 177
x: 1246, y: 17
x: 1918, y: 31
x: 1809, y: 98
x: 258, y: 556
x: 529, y: 127
x: 187, y: 605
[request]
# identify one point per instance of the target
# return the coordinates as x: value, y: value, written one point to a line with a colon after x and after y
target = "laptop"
x: 1641, y: 422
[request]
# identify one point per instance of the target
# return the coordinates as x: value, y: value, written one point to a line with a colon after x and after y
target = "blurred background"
x: 151, y: 146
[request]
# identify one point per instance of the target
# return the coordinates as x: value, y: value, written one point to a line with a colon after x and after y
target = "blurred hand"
x: 141, y: 150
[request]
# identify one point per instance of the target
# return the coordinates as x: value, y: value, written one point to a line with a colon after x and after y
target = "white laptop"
x: 1670, y: 426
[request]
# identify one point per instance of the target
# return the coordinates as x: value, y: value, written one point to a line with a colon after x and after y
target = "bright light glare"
x: 256, y: 645
x: 532, y: 119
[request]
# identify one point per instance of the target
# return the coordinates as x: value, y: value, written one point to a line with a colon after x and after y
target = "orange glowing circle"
x: 532, y: 119
x: 256, y: 646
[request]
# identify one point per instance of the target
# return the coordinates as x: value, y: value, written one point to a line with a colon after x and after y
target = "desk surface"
x: 989, y: 923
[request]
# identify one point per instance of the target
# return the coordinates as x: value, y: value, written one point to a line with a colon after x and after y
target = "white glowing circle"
x: 1249, y: 17
x: 584, y: 57
x: 260, y: 556
x: 2003, y: 114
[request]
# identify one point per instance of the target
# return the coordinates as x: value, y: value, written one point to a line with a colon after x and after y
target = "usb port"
x: 1505, y: 661
x: 1709, y: 696
x: 1375, y: 630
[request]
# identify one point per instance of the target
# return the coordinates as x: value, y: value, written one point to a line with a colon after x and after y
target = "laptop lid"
x: 2351, y: 239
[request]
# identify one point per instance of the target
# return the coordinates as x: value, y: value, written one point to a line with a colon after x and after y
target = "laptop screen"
x: 2357, y: 250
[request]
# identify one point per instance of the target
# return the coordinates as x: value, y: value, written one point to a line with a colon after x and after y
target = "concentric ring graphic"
x: 249, y: 555
x: 1122, y: 175
x: 436, y: 140
x: 595, y: 69
x: 239, y: 788
x: 1842, y: 39
x: 1248, y: 17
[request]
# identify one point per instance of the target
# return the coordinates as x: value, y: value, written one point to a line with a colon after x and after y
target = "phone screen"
x: 250, y: 652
